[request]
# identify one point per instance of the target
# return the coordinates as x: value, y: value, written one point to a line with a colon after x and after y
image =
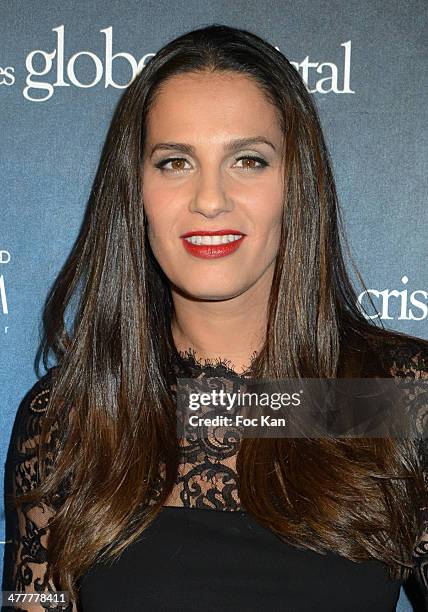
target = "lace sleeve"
x: 31, y: 522
x: 411, y: 362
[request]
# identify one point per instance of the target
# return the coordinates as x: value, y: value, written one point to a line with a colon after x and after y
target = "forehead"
x: 196, y: 104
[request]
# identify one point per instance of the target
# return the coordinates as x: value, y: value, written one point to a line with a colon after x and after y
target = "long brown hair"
x: 107, y: 321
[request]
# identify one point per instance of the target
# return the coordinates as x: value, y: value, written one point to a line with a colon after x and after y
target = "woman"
x: 217, y: 135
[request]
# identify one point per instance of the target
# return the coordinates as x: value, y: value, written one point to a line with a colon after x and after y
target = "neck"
x: 231, y: 329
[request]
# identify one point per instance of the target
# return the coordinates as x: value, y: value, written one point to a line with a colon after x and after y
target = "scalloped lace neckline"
x: 210, y: 366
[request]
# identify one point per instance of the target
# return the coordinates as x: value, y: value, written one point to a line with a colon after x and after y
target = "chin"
x: 214, y: 291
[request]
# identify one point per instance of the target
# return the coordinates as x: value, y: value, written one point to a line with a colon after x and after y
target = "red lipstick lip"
x: 222, y: 232
x: 212, y: 251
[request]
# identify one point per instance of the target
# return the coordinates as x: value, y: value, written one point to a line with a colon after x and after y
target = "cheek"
x: 266, y: 213
x: 156, y: 213
x: 159, y: 234
x: 162, y: 206
x: 269, y: 213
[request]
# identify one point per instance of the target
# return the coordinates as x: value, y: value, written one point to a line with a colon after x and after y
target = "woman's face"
x: 197, y: 177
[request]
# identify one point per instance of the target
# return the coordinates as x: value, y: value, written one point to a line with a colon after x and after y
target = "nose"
x: 210, y: 198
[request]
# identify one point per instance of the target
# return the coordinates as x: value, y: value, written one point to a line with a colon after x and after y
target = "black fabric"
x: 207, y: 552
x: 203, y: 560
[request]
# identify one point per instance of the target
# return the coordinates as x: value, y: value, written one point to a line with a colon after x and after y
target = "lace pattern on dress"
x: 207, y: 476
x: 31, y: 538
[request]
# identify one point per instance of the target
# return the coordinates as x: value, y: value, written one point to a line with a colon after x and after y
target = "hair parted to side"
x: 114, y: 357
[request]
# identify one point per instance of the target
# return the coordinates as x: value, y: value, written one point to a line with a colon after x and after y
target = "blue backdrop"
x: 63, y: 67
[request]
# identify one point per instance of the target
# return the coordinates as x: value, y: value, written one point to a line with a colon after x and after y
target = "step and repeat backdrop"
x: 63, y: 67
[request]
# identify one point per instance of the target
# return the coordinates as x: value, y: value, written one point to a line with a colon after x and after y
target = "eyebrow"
x: 231, y: 145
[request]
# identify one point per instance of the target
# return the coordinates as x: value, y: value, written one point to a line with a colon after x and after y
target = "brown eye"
x: 252, y: 163
x: 177, y: 165
x: 249, y: 163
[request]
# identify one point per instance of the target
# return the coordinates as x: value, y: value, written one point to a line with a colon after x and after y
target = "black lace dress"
x: 204, y: 552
